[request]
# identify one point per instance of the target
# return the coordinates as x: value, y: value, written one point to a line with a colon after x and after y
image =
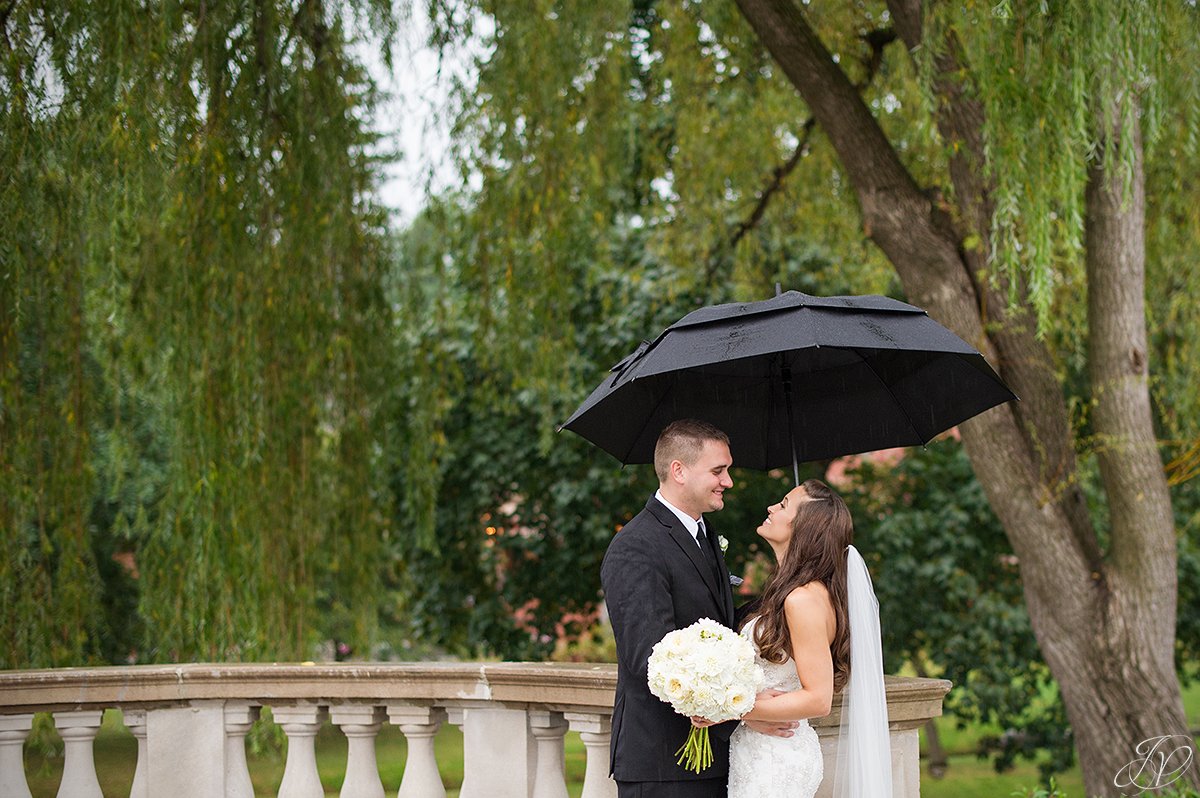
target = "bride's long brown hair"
x: 816, y: 552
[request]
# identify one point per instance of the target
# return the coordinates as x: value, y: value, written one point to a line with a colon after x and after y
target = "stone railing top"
x: 559, y: 686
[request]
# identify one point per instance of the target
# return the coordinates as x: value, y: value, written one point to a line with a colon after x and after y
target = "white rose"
x: 738, y: 702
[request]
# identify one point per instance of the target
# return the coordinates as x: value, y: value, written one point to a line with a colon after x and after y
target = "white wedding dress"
x: 761, y: 766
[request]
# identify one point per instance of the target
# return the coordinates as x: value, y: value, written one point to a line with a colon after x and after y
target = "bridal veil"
x: 864, y: 758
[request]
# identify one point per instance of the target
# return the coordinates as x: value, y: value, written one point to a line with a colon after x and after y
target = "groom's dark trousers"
x: 656, y: 579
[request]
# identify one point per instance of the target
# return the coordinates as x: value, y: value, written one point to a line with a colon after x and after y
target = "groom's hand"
x: 772, y: 728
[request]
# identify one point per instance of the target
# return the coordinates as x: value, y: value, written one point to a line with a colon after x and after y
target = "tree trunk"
x: 1106, y: 625
x: 1132, y: 662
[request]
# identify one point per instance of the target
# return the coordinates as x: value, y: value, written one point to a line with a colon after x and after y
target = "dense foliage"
x: 192, y: 330
x: 516, y: 518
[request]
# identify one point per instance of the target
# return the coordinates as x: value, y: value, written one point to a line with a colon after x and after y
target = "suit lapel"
x: 687, y: 543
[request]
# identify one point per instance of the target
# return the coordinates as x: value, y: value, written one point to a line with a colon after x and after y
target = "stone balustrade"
x: 191, y: 721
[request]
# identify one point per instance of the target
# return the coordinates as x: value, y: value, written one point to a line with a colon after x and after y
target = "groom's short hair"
x: 683, y: 440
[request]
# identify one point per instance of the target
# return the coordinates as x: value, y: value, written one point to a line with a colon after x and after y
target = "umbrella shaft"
x: 787, y: 401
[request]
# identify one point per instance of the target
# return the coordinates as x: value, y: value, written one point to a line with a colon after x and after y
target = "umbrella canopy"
x: 794, y: 377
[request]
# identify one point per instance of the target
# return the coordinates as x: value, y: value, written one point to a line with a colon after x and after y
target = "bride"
x: 816, y: 633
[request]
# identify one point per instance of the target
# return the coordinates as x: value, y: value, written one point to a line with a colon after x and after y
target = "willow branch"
x: 309, y: 20
x: 1027, y: 365
x: 5, y: 12
x: 877, y: 40
x: 778, y: 175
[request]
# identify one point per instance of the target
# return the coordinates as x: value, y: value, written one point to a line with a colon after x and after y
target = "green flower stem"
x: 696, y: 752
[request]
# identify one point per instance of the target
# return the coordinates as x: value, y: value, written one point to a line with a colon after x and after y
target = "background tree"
x: 516, y: 519
x: 192, y: 331
x: 1000, y: 170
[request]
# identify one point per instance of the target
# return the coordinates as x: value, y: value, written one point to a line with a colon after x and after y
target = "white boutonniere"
x: 723, y: 543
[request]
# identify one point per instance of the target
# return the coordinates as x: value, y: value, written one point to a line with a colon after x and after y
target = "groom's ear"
x: 677, y: 471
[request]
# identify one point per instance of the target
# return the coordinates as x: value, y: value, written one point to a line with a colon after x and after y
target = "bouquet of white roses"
x: 706, y: 670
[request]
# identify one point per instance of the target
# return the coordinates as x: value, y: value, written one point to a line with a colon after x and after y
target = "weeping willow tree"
x: 1024, y: 170
x: 192, y: 327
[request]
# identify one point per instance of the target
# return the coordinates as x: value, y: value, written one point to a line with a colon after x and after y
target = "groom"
x: 664, y: 571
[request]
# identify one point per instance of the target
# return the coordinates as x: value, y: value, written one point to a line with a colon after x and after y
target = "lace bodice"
x: 773, y: 767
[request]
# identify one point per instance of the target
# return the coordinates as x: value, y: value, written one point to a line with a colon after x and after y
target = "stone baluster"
x: 419, y: 725
x: 239, y: 718
x: 300, y: 724
x: 595, y: 730
x: 548, y: 728
x: 185, y: 750
x: 906, y: 763
x: 135, y: 721
x: 360, y: 723
x: 78, y: 731
x: 13, y: 731
x: 498, y: 753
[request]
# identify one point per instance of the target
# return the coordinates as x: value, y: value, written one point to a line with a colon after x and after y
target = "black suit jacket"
x: 656, y: 579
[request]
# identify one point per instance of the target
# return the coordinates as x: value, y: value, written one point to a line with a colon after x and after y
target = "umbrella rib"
x: 888, y: 388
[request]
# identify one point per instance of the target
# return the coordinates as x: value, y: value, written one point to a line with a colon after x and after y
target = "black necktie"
x: 706, y: 547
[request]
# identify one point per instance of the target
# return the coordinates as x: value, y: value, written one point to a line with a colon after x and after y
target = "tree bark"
x: 1134, y: 662
x: 1106, y: 625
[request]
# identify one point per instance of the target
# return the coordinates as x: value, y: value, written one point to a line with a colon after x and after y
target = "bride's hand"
x: 761, y: 698
x: 771, y: 728
x: 702, y: 723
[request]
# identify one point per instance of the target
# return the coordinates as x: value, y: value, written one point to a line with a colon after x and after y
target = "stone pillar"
x: 548, y: 728
x: 912, y: 702
x: 300, y: 724
x: 595, y: 730
x: 239, y: 717
x: 906, y: 763
x: 419, y: 725
x: 78, y: 731
x: 14, y: 729
x: 360, y: 723
x: 185, y: 750
x: 498, y: 753
x: 135, y: 721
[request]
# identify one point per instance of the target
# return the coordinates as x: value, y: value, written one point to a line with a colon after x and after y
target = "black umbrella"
x: 793, y: 378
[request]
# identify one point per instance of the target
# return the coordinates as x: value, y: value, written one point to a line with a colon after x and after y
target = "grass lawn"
x: 970, y: 777
x: 116, y: 751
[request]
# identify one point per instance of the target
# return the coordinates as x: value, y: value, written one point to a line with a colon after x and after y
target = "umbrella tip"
x: 778, y: 289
